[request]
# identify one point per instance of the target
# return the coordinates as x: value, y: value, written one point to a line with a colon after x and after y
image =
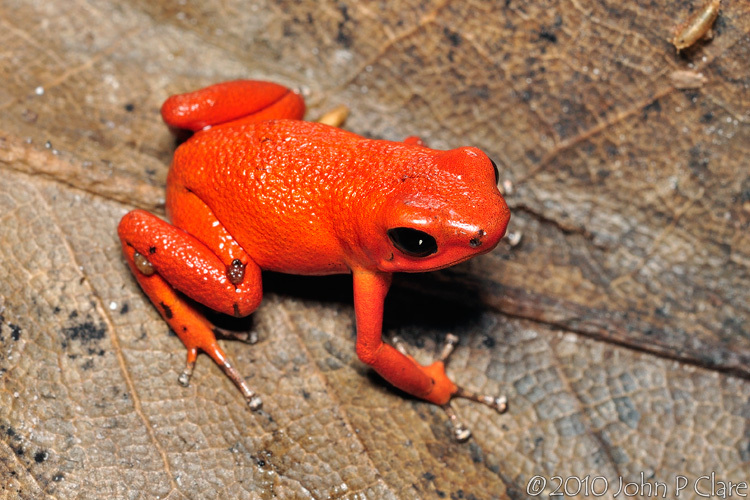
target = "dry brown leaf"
x: 618, y: 327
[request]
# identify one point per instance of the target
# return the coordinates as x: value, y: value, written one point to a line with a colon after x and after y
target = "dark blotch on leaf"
x: 654, y: 107
x: 85, y: 332
x: 547, y: 35
x: 453, y: 37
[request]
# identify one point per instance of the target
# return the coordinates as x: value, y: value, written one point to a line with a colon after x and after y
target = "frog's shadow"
x: 414, y: 302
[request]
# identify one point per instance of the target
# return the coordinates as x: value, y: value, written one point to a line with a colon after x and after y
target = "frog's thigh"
x: 191, y: 214
x: 189, y: 265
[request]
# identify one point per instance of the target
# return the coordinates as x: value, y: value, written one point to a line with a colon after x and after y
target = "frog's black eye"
x: 497, y: 173
x: 413, y: 242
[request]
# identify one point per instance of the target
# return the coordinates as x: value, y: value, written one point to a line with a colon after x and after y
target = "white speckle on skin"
x: 39, y: 90
x: 112, y: 306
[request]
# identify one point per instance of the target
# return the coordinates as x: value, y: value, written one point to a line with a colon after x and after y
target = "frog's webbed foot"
x: 460, y: 431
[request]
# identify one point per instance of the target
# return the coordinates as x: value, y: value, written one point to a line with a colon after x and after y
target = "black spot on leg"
x: 151, y: 250
x: 167, y: 310
x: 236, y: 310
x: 236, y: 272
x: 15, y: 331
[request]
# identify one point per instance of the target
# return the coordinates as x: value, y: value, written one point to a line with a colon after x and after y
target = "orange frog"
x: 256, y: 188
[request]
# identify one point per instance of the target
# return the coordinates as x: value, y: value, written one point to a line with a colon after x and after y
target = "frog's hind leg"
x: 167, y: 260
x: 235, y: 102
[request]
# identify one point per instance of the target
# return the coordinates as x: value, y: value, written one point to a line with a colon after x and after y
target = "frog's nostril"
x: 476, y: 241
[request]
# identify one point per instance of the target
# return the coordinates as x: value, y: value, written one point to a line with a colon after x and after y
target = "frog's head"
x: 445, y: 210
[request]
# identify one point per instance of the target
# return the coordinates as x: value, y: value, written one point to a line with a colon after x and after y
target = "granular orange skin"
x: 258, y: 185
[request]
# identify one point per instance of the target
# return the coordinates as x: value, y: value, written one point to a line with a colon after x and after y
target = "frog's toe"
x: 187, y: 373
x: 499, y: 403
x: 248, y: 337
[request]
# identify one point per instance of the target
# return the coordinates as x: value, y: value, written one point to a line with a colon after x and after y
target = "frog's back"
x: 282, y: 186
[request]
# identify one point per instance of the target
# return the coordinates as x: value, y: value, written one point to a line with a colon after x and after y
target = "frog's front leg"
x: 430, y: 383
x: 425, y: 382
x: 166, y: 260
